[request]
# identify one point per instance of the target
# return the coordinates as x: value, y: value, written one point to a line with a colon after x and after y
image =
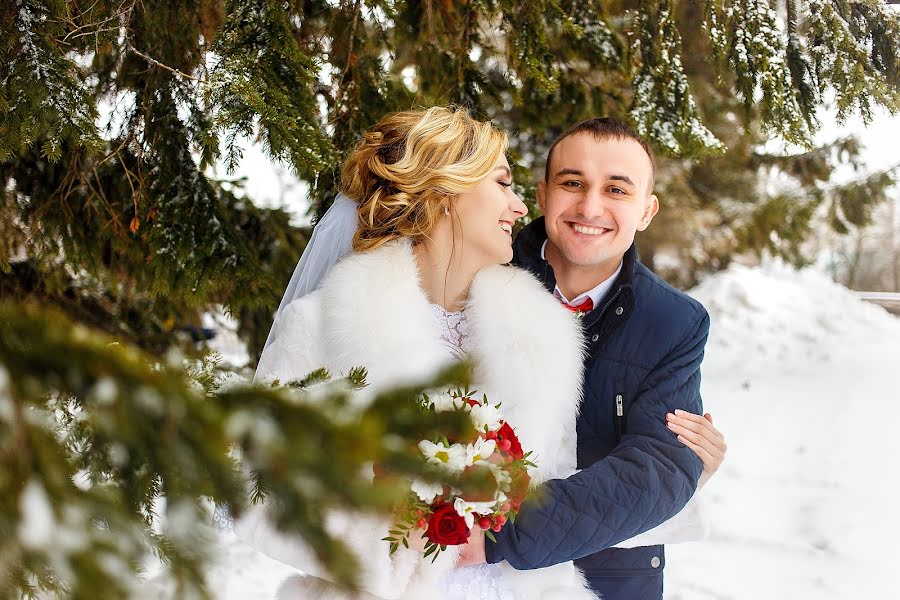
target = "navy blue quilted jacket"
x: 645, y: 344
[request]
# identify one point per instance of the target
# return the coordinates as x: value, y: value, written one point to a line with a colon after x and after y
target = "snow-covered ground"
x: 803, y: 378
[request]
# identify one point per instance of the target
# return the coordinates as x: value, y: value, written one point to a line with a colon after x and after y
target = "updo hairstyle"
x: 409, y: 167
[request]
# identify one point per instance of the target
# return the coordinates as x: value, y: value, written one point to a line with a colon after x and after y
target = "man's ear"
x: 540, y: 194
x: 649, y: 212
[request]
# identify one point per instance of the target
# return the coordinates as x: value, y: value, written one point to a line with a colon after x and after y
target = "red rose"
x: 515, y: 448
x: 472, y: 402
x: 446, y: 527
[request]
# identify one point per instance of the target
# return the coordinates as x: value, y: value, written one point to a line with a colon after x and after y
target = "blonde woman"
x: 425, y: 285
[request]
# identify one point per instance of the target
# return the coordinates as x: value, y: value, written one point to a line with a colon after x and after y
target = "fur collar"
x: 528, y: 349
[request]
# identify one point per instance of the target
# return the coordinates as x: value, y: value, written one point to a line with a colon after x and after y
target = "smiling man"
x: 595, y: 195
x: 645, y: 342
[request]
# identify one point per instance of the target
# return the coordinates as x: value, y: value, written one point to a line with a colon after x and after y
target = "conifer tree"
x: 113, y: 111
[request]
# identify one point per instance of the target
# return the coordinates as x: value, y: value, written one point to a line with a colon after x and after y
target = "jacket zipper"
x: 619, y: 419
x: 620, y: 416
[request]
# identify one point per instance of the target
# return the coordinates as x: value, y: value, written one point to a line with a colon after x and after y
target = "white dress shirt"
x: 596, y: 294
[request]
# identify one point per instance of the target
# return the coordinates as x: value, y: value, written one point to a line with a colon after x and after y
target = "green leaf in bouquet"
x: 489, y: 535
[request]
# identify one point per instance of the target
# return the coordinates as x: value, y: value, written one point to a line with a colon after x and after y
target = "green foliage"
x: 263, y: 81
x: 748, y: 41
x: 91, y: 434
x: 528, y: 41
x: 113, y: 112
x: 663, y: 108
x: 852, y: 204
x: 750, y: 199
x: 130, y: 200
x: 94, y: 433
x: 855, y: 47
x: 44, y: 98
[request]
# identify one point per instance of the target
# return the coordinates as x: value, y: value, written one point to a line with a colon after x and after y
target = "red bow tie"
x: 584, y: 307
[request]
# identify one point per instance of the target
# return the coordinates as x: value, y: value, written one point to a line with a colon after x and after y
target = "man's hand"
x: 699, y: 434
x: 473, y: 552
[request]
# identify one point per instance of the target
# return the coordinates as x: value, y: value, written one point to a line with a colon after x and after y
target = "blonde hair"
x: 410, y: 165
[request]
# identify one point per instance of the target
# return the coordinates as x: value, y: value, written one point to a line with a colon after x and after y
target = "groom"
x: 645, y: 342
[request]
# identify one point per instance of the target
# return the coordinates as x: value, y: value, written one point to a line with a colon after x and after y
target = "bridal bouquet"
x: 492, y: 455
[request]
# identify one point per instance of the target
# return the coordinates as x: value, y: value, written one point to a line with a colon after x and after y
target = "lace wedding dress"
x: 481, y: 582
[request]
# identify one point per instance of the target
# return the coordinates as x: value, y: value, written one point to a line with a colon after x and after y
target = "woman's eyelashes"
x: 505, y: 184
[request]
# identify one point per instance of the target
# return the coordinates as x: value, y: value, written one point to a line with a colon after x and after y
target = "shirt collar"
x: 596, y: 294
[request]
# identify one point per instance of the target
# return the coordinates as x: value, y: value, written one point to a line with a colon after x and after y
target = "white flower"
x: 444, y: 402
x: 468, y: 510
x: 485, y: 414
x: 504, y: 481
x: 452, y: 458
x: 479, y: 451
x: 426, y: 491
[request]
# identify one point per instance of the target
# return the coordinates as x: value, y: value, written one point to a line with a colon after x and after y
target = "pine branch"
x: 663, y: 109
x: 76, y: 405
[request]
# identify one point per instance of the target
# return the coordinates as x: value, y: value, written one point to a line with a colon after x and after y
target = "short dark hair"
x: 604, y: 128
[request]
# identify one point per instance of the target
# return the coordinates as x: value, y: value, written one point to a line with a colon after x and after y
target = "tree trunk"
x: 853, y: 266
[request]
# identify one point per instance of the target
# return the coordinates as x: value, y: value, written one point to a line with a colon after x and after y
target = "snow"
x: 227, y: 343
x: 37, y: 524
x: 268, y: 183
x: 801, y: 375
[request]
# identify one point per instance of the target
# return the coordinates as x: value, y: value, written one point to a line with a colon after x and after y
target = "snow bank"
x: 803, y: 379
x: 777, y: 313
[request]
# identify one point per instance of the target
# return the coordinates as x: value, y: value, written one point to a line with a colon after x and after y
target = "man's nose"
x: 591, y: 205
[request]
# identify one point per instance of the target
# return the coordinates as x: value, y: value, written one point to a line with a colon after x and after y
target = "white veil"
x: 331, y: 240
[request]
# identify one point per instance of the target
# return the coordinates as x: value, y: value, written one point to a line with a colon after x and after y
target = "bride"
x: 426, y: 285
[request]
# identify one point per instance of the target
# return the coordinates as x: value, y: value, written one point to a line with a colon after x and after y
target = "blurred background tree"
x: 113, y: 114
